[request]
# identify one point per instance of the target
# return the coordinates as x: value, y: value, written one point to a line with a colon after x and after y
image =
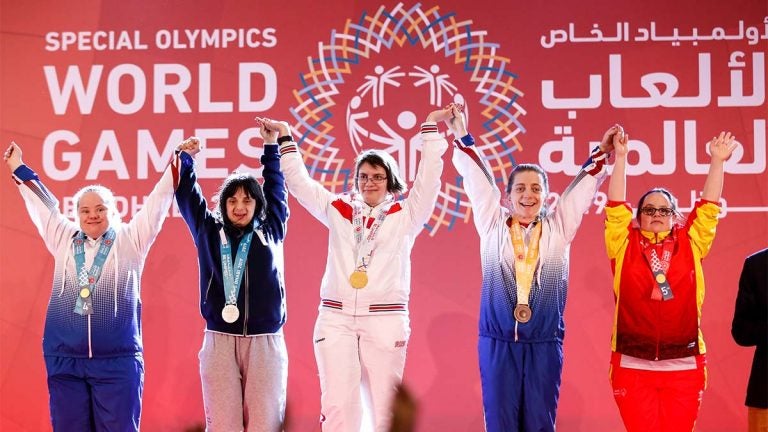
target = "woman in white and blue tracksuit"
x: 521, y: 356
x: 243, y: 361
x: 92, y: 338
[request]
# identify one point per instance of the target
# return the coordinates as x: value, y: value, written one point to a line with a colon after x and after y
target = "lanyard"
x: 525, y: 262
x: 232, y: 274
x: 364, y: 243
x: 86, y: 279
x: 659, y: 265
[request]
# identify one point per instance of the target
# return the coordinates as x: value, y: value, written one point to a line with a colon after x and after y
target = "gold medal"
x: 85, y: 292
x: 522, y: 313
x: 660, y: 278
x: 358, y: 279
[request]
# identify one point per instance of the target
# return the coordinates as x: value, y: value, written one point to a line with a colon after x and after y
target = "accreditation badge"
x: 230, y: 313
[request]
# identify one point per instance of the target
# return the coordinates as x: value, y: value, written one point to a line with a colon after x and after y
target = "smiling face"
x: 372, y: 182
x: 93, y: 214
x: 240, y: 208
x: 527, y: 195
x: 656, y: 223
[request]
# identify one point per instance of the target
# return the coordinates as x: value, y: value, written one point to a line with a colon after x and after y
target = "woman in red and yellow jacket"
x: 657, y: 365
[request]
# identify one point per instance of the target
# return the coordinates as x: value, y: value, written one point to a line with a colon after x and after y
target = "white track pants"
x: 363, y: 354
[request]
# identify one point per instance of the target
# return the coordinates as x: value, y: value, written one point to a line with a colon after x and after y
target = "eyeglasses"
x: 651, y: 211
x: 378, y: 178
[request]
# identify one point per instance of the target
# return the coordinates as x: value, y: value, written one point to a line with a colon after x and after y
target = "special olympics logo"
x: 359, y: 116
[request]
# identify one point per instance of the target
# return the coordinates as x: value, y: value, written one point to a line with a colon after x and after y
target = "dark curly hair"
x: 234, y: 182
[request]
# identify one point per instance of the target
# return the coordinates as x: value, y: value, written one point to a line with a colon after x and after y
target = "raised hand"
x: 615, y: 139
x: 721, y: 147
x: 191, y: 145
x: 456, y: 123
x: 272, y: 129
x: 12, y: 156
x: 269, y: 135
x: 440, y: 115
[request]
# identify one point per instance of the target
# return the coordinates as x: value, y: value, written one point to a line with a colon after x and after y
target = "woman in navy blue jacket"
x: 243, y: 361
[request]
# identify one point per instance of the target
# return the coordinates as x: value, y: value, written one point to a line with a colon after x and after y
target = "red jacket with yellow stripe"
x: 654, y: 329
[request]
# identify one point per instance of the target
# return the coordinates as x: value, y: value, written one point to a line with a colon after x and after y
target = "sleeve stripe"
x: 469, y: 151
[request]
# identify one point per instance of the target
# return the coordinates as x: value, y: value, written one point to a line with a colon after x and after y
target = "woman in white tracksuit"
x: 362, y: 329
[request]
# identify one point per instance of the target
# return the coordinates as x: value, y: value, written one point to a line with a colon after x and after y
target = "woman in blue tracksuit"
x: 92, y: 344
x: 243, y: 361
x: 524, y: 254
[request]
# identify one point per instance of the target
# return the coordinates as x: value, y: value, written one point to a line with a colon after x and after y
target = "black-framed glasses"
x: 651, y: 211
x: 376, y: 179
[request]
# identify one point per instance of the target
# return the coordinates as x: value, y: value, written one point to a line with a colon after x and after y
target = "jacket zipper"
x: 658, y: 331
x: 245, y: 302
x: 354, y: 266
x: 658, y: 309
x: 90, y: 348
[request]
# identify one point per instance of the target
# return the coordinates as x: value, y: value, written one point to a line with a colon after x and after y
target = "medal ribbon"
x: 232, y: 274
x: 659, y: 265
x: 365, y: 243
x: 88, y: 278
x: 525, y: 262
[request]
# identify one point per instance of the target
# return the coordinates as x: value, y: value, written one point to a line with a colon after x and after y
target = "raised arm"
x: 478, y: 180
x: 617, y: 185
x: 310, y: 193
x: 145, y: 225
x: 721, y: 147
x: 618, y: 216
x: 426, y: 185
x: 274, y: 182
x: 702, y: 222
x: 189, y: 196
x: 576, y: 199
x: 41, y: 204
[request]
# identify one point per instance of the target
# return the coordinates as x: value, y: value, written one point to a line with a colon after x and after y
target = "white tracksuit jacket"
x: 389, y: 275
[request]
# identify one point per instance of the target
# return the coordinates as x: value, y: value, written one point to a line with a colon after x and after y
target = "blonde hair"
x: 107, y: 197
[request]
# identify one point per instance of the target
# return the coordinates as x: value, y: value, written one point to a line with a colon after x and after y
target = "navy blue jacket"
x: 261, y: 299
x: 750, y: 324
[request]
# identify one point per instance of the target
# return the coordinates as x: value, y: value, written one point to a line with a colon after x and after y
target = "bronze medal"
x: 522, y: 313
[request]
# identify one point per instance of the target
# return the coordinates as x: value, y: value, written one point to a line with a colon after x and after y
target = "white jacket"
x: 389, y: 274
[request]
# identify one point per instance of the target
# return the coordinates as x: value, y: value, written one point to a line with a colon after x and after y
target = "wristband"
x: 286, y: 138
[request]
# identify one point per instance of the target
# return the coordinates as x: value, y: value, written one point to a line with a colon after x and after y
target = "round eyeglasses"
x: 651, y: 211
x: 376, y: 179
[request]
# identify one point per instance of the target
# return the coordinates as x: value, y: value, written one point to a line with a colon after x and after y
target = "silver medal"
x: 230, y: 313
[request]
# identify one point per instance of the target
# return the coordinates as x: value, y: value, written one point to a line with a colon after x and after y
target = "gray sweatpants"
x: 244, y: 382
